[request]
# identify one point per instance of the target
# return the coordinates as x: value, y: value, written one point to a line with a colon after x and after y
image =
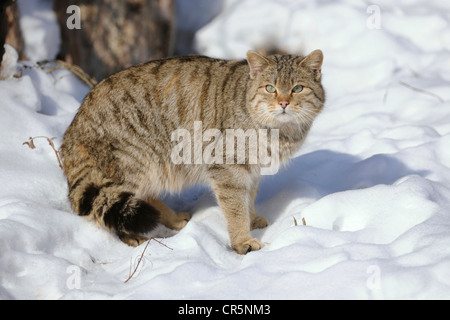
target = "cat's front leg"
x: 256, y: 222
x: 232, y: 187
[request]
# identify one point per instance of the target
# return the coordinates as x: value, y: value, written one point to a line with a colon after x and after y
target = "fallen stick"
x: 142, y: 257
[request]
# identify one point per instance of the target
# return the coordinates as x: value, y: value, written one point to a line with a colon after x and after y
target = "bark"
x: 116, y: 34
x: 9, y: 28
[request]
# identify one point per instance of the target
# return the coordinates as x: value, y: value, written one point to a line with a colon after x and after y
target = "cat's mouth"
x: 283, y: 115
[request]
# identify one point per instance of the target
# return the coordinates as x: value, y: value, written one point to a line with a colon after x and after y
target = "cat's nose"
x: 284, y: 104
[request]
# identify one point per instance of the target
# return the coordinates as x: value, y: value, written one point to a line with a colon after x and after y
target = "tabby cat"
x: 117, y: 151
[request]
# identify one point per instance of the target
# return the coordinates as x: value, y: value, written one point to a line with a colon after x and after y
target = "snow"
x: 9, y: 62
x: 371, y: 182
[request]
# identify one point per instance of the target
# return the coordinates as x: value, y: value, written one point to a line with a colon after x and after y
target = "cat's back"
x: 182, y: 89
x: 171, y: 75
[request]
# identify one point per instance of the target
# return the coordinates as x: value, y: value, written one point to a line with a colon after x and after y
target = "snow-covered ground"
x: 372, y: 182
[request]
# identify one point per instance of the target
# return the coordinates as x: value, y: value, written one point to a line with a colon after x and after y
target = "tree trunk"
x: 9, y: 28
x: 115, y: 34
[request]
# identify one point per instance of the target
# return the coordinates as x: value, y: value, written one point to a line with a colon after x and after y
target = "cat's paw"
x: 247, y: 246
x: 258, y: 223
x: 181, y: 221
x: 133, y: 240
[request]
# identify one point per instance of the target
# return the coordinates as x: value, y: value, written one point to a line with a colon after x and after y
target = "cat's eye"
x: 270, y: 89
x: 297, y: 89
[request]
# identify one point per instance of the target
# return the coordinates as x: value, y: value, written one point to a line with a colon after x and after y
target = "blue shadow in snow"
x: 313, y: 176
x: 320, y: 173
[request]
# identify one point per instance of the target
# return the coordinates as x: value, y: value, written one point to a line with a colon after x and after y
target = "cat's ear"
x: 314, y: 62
x: 257, y: 63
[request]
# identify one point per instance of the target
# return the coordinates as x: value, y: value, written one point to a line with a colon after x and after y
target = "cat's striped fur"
x: 117, y: 151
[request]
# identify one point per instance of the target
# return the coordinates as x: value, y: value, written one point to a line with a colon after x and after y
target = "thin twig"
x: 142, y: 257
x: 31, y: 144
x: 421, y: 90
x: 76, y: 70
x: 386, y: 93
x: 138, y: 263
x: 303, y: 221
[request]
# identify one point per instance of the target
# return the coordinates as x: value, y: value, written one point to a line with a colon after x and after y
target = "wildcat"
x: 117, y: 150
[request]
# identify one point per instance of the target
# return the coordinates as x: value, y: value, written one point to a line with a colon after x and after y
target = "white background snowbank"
x: 372, y: 181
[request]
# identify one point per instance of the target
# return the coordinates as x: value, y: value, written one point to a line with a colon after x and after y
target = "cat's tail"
x: 111, y: 206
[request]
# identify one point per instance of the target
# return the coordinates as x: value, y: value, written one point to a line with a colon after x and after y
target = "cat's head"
x: 285, y: 88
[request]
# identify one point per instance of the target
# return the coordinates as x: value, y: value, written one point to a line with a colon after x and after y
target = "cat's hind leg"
x: 112, y: 206
x: 168, y: 217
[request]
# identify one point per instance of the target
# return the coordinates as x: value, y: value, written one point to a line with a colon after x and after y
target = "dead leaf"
x: 30, y: 143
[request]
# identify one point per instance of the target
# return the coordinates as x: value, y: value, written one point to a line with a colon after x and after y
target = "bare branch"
x: 31, y: 144
x: 141, y: 258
